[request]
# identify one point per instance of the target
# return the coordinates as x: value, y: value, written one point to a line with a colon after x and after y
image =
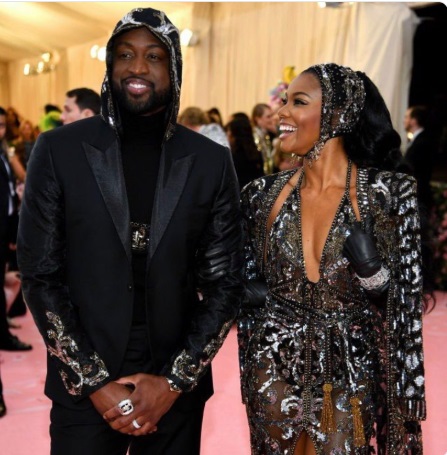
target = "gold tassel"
x: 359, y: 432
x: 327, y: 413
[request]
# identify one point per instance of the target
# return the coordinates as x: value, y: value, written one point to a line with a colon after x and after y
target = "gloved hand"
x: 361, y: 252
x: 360, y: 249
x: 213, y: 265
x: 255, y: 294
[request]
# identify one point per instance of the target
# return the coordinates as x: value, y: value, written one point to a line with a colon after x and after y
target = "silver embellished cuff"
x: 375, y: 281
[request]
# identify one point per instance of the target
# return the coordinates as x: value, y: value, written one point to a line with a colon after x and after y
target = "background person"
x: 80, y: 103
x: 8, y: 232
x: 264, y: 131
x: 246, y: 158
x: 196, y: 119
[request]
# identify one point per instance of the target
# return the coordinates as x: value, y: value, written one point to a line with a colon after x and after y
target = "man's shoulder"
x: 81, y: 130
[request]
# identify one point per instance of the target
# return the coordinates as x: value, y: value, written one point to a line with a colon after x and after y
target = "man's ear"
x: 87, y: 113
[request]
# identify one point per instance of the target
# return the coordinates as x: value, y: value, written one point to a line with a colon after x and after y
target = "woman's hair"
x: 243, y: 141
x: 28, y: 123
x: 373, y: 142
x: 193, y: 116
x: 258, y: 111
x: 215, y: 116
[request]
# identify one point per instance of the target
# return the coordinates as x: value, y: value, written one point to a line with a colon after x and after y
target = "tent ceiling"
x: 27, y: 29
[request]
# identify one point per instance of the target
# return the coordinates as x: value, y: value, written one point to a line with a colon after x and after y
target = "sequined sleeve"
x: 217, y: 311
x: 404, y: 319
x: 247, y: 315
x: 41, y: 252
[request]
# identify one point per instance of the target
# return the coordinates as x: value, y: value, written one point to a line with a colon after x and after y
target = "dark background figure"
x: 80, y: 103
x: 127, y: 219
x: 420, y: 153
x: 25, y: 142
x: 12, y: 125
x: 240, y: 116
x: 215, y: 116
x: 246, y: 157
x: 8, y: 233
x: 428, y: 85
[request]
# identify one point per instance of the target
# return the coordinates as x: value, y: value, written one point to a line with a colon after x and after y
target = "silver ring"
x: 136, y: 424
x: 125, y: 407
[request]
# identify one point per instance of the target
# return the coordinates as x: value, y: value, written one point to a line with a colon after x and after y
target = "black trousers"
x: 77, y: 432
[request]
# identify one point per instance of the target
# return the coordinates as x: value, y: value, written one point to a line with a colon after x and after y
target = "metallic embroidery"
x: 65, y: 349
x: 283, y: 347
x: 188, y: 371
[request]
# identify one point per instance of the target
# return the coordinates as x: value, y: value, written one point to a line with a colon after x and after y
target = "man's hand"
x: 109, y: 396
x: 151, y: 399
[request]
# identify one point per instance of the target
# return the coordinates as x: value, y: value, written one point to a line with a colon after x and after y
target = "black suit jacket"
x: 419, y: 158
x: 75, y: 258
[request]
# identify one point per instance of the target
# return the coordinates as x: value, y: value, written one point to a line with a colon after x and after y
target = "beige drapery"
x: 242, y: 51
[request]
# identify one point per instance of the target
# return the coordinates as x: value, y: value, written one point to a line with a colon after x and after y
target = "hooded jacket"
x: 161, y: 27
x: 74, y: 248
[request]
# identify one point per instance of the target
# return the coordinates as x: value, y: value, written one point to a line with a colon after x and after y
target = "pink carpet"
x: 24, y: 430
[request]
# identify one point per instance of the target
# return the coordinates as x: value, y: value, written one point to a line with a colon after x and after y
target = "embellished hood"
x: 343, y: 100
x: 161, y: 27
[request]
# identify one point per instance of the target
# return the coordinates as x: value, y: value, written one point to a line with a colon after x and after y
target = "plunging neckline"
x: 346, y: 195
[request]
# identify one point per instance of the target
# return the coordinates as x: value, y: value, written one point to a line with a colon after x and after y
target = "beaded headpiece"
x: 343, y: 99
x: 162, y: 28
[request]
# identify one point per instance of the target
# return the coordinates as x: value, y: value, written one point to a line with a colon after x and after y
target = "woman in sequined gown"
x: 331, y: 357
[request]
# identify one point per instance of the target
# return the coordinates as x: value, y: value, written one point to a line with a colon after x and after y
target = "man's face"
x: 408, y: 121
x: 71, y: 111
x: 140, y: 74
x: 2, y: 126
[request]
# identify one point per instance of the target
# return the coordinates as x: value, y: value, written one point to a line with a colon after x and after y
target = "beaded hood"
x: 343, y: 100
x: 162, y: 28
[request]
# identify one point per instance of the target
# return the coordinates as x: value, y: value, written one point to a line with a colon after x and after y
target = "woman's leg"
x: 304, y: 446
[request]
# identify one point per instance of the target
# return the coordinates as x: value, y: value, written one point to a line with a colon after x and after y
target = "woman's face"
x: 299, y: 117
x: 27, y: 131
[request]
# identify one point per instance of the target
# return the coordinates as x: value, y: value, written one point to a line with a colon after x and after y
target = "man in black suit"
x: 420, y: 153
x: 125, y: 217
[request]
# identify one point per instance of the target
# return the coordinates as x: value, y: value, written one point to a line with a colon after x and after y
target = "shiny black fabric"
x: 74, y: 247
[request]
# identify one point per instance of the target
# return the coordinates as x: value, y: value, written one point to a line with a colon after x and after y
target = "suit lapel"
x: 108, y: 171
x: 173, y: 175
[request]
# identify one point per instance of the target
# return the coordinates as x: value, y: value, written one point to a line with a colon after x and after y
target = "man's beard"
x: 154, y: 102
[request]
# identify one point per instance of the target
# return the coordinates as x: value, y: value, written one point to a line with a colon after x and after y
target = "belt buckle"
x: 140, y: 237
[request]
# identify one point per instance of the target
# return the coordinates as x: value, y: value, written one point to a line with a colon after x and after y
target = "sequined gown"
x: 310, y: 337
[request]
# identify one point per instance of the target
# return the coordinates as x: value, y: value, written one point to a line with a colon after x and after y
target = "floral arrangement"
x: 439, y: 225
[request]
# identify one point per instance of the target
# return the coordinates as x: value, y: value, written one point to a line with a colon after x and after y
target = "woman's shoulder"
x: 385, y: 177
x: 387, y: 188
x: 264, y: 184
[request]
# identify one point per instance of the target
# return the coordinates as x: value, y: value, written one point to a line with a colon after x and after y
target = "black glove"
x: 213, y: 265
x: 255, y: 294
x: 361, y: 252
x: 360, y: 249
